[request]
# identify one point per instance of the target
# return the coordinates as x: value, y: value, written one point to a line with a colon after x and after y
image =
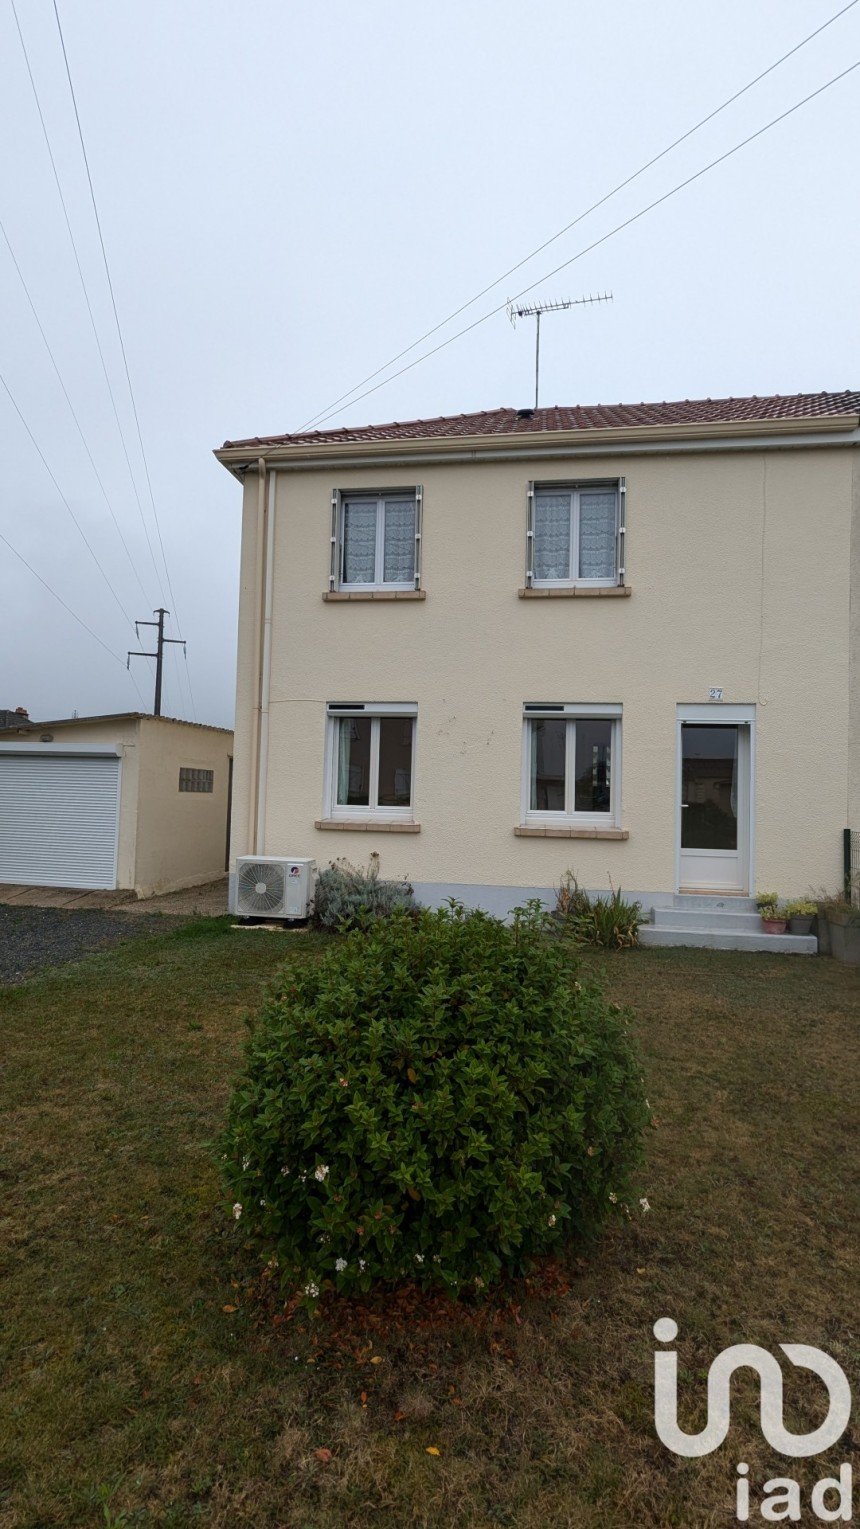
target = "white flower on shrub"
x: 644, y: 1203
x: 550, y: 1221
x: 340, y: 1265
x: 321, y: 1172
x: 419, y: 1258
x: 437, y: 1258
x: 285, y: 1170
x: 237, y: 1209
x: 613, y: 1198
x: 246, y: 1163
x: 312, y: 1290
x: 361, y: 1265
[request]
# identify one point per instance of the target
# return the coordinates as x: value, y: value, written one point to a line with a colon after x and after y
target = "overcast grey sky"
x: 290, y: 194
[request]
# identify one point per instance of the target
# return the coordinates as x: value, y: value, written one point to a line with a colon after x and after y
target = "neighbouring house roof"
x: 25, y: 724
x: 10, y: 718
x: 499, y: 422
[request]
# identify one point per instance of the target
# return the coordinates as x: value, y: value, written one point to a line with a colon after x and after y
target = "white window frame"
x: 340, y: 497
x: 571, y: 713
x: 583, y: 485
x: 374, y: 711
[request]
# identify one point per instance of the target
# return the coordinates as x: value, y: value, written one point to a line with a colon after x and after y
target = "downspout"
x: 265, y: 668
x: 256, y: 673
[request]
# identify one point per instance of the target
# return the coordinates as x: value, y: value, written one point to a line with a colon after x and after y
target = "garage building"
x: 127, y: 802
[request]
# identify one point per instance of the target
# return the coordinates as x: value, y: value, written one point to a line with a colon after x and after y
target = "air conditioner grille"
x: 262, y: 887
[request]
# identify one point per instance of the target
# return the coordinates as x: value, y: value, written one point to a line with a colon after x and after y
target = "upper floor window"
x: 576, y: 534
x: 376, y: 540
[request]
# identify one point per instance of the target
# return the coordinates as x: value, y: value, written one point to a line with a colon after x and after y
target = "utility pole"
x: 535, y: 313
x: 158, y: 655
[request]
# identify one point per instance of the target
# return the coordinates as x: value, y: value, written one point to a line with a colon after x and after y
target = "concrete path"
x: 208, y: 900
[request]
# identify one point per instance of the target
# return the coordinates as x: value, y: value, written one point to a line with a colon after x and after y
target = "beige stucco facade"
x: 167, y: 838
x: 743, y: 566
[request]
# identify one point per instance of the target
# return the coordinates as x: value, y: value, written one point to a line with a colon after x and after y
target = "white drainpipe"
x: 266, y: 665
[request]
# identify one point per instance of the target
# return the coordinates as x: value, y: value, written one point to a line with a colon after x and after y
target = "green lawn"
x: 128, y: 1395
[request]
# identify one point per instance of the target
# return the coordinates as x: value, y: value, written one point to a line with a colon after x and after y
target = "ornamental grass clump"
x: 441, y: 1097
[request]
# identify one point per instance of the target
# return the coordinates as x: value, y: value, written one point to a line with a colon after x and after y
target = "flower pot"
x: 800, y: 923
x: 844, y: 930
x: 774, y: 925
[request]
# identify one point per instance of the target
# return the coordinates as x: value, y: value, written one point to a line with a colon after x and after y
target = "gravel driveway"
x: 31, y: 938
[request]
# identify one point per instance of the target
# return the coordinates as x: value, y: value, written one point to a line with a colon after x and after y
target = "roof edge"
x: 244, y: 454
x: 27, y: 725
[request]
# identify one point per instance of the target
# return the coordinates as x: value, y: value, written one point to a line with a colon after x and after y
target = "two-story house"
x: 622, y: 640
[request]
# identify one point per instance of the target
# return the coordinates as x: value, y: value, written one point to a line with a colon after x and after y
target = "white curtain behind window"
x: 344, y: 734
x: 359, y: 541
x: 597, y: 516
x: 399, y: 553
x: 552, y: 536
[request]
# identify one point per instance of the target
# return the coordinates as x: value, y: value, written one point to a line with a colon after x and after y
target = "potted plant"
x: 843, y: 929
x: 773, y: 922
x: 800, y: 915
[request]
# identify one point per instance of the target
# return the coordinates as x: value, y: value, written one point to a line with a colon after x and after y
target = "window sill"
x: 578, y: 591
x: 546, y: 831
x: 366, y: 825
x: 375, y: 594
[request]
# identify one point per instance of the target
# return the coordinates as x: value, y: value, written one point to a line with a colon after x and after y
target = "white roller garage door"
x: 59, y: 818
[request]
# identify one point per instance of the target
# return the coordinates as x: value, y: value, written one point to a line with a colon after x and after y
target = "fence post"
x: 851, y: 864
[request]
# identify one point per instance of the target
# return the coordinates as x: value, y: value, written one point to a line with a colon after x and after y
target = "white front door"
x: 714, y: 783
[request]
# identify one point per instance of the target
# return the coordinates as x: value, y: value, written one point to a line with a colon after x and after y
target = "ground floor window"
x: 370, y: 760
x: 571, y: 762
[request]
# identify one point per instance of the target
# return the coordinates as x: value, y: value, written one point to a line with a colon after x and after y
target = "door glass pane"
x: 353, y: 762
x: 709, y: 787
x: 399, y: 552
x: 359, y: 541
x: 547, y: 766
x: 395, y: 761
x: 597, y: 517
x: 552, y: 536
x: 592, y: 789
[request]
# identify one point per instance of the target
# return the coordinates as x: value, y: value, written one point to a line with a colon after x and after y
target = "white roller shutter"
x: 59, y: 818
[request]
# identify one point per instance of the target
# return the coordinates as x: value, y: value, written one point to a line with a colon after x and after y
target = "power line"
x: 86, y: 299
x: 72, y: 411
x: 117, y: 322
x: 81, y: 532
x: 634, y: 218
x: 330, y: 408
x: 74, y: 615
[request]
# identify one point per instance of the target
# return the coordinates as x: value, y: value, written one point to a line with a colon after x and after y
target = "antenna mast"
x: 551, y: 307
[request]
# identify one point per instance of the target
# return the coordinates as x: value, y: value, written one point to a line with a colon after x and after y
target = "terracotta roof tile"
x: 685, y: 411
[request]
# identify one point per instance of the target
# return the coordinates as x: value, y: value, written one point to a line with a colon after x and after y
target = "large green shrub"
x: 346, y: 896
x: 441, y: 1097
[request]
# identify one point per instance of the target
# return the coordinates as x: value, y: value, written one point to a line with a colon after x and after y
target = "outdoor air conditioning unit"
x: 273, y: 886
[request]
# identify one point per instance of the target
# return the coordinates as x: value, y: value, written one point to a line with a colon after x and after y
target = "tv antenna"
x: 535, y: 312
